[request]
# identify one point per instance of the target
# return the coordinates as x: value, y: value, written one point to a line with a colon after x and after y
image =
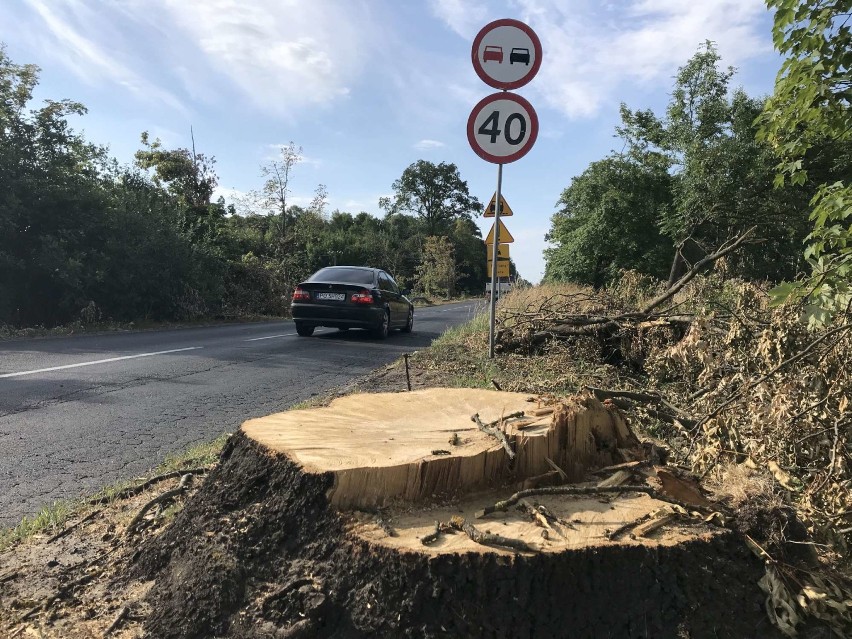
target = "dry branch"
x: 132, y: 491
x: 790, y: 360
x: 498, y: 435
x: 119, y: 618
x: 626, y: 528
x: 502, y: 506
x: 68, y: 529
x: 726, y: 248
x: 489, y: 539
x: 433, y: 536
x: 591, y: 325
x: 166, y: 496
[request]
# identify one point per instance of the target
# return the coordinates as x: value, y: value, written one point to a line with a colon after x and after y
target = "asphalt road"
x: 79, y: 413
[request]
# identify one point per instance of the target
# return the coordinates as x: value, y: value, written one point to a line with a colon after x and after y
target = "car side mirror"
x: 405, y: 291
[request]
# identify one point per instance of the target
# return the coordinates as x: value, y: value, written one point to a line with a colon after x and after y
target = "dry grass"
x: 739, y: 484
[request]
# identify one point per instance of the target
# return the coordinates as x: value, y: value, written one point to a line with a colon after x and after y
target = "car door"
x: 399, y: 310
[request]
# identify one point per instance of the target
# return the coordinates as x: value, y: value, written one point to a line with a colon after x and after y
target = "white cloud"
x: 284, y: 54
x: 428, y: 145
x: 88, y: 59
x: 594, y: 51
x: 465, y: 17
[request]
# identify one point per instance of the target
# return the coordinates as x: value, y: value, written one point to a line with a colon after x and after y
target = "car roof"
x: 364, y: 268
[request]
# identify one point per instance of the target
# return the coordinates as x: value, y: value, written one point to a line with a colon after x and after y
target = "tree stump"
x: 352, y: 520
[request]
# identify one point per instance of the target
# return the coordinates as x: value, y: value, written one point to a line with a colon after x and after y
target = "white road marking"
x: 100, y: 361
x: 257, y: 339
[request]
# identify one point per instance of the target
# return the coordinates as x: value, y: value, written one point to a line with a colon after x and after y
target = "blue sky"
x: 366, y: 87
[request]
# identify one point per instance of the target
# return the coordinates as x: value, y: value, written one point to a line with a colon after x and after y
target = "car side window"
x: 383, y: 282
x: 386, y: 283
x: 393, y: 285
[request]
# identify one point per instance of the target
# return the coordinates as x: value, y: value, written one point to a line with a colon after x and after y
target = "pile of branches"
x: 728, y: 382
x: 597, y: 314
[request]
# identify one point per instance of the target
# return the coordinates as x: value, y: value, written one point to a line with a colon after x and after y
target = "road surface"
x: 79, y: 413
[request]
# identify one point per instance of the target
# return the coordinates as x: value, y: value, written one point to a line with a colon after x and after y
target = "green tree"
x: 50, y: 199
x: 436, y: 274
x: 190, y: 178
x: 433, y: 192
x: 811, y: 106
x: 691, y: 180
x: 608, y: 222
x: 470, y: 255
x: 276, y: 187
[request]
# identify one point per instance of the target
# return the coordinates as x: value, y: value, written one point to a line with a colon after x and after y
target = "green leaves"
x: 435, y: 193
x: 812, y: 102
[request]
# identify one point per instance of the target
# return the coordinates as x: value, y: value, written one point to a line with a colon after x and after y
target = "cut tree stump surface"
x: 386, y: 447
x: 584, y: 523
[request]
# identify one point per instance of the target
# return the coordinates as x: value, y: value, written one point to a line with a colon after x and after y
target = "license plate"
x: 338, y: 297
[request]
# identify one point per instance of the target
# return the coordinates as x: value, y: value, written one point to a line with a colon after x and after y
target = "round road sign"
x: 502, y: 128
x: 506, y: 54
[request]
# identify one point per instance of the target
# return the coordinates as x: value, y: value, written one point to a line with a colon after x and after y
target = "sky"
x: 367, y: 87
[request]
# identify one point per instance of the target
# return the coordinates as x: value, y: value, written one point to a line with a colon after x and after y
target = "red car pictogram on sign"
x: 493, y: 53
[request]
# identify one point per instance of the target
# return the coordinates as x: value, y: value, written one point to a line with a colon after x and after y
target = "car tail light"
x: 301, y: 295
x: 362, y: 297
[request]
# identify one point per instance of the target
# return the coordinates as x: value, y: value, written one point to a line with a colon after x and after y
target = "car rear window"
x: 348, y: 275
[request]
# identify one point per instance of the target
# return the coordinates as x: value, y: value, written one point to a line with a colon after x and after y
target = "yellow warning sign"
x: 505, y: 209
x: 502, y: 251
x: 503, y: 235
x: 502, y: 268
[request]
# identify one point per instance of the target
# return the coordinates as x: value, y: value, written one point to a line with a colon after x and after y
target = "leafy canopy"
x: 435, y: 193
x: 811, y: 103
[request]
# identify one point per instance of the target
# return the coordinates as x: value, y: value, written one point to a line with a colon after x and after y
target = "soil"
x: 256, y: 551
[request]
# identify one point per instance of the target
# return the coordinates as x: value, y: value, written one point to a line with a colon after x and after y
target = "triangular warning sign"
x: 505, y: 209
x: 503, y: 235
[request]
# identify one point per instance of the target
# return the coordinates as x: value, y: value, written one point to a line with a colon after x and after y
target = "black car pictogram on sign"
x: 519, y: 55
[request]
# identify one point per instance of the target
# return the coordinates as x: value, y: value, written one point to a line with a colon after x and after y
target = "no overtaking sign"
x: 506, y: 54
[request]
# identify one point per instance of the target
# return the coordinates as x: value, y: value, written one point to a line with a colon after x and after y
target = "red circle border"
x: 477, y: 65
x: 496, y: 159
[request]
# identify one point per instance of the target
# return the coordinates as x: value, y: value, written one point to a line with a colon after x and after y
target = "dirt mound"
x: 258, y: 552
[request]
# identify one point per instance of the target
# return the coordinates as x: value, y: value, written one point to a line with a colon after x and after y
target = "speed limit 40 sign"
x: 502, y: 128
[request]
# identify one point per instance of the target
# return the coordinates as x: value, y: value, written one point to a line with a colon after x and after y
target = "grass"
x: 81, y: 328
x: 51, y: 519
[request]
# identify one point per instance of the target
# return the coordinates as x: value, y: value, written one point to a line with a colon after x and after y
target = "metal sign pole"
x: 491, y: 319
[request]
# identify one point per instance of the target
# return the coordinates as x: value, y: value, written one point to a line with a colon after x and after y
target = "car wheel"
x: 381, y: 331
x: 304, y: 330
x: 409, y: 325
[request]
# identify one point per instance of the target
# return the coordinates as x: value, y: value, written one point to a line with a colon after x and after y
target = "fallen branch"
x: 9, y: 576
x: 538, y: 517
x: 726, y: 248
x: 141, y: 488
x: 432, y: 537
x: 489, y: 539
x: 119, y: 618
x: 621, y: 530
x: 669, y: 416
x: 791, y: 360
x: 500, y: 421
x: 68, y: 529
x: 166, y: 496
x: 502, y: 506
x: 498, y: 435
x: 562, y: 474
